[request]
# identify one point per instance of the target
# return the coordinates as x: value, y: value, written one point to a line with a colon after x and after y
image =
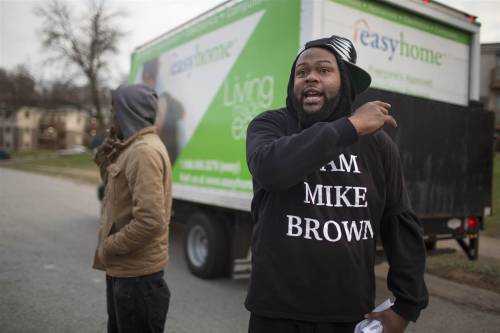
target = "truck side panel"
x: 403, y: 51
x: 446, y: 151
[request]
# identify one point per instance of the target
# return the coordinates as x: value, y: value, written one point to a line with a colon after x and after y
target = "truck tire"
x: 206, y: 246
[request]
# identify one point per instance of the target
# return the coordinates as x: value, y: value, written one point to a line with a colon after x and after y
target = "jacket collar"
x: 121, y: 145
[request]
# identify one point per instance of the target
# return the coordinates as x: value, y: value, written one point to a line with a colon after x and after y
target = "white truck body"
x: 216, y: 72
x: 212, y: 66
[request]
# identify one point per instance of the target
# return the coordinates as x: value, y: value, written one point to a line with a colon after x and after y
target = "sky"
x: 147, y: 19
x: 144, y: 20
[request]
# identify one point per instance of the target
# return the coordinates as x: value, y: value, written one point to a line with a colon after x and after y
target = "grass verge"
x: 492, y: 227
x: 483, y: 273
x: 78, y: 167
x: 492, y: 223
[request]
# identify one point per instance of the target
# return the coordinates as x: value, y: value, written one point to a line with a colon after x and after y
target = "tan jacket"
x: 133, y: 237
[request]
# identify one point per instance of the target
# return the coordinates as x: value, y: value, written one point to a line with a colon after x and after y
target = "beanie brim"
x: 360, y: 78
x: 343, y: 47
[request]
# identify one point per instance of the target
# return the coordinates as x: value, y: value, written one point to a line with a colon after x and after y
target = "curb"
x: 455, y: 292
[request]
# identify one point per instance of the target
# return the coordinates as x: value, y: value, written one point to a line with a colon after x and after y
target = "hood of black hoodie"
x: 135, y: 106
x: 336, y: 110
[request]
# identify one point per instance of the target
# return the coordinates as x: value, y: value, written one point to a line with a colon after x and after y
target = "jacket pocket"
x: 98, y: 264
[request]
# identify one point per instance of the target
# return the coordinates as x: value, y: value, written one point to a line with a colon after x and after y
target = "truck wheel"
x: 206, y: 247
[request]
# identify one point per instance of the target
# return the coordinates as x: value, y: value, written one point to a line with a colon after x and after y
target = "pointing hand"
x: 371, y: 116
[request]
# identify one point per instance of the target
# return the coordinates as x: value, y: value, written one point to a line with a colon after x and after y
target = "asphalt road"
x: 47, y: 239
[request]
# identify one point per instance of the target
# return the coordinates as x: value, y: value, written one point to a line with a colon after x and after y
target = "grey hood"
x: 135, y: 106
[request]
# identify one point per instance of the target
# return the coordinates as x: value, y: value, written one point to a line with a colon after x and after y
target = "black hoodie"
x: 322, y: 195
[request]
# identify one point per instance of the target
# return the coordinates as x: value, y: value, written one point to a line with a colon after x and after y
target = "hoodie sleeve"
x: 144, y: 172
x: 402, y: 237
x: 278, y: 161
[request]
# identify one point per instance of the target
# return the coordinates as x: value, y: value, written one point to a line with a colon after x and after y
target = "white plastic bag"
x: 373, y: 326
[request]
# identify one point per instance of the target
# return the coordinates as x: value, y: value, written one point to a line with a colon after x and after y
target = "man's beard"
x: 324, y: 114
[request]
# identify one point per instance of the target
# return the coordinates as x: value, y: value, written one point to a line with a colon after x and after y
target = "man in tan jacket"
x: 133, y: 237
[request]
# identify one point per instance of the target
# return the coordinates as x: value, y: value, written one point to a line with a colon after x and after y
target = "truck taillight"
x: 472, y: 224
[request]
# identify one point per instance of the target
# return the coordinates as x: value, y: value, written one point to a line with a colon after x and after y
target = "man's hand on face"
x: 392, y: 322
x: 107, y: 146
x: 108, y: 143
x: 371, y: 116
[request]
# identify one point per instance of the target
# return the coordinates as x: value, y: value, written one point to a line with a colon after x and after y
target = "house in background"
x: 490, y: 77
x: 29, y: 128
x: 19, y: 128
x: 489, y: 84
x: 61, y: 128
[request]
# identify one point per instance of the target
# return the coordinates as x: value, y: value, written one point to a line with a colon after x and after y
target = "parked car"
x: 73, y: 150
x: 4, y: 154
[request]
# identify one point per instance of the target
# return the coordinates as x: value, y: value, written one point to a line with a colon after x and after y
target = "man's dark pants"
x: 259, y: 324
x: 137, y: 304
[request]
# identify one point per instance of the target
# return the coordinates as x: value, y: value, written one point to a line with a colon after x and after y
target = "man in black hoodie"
x: 326, y: 182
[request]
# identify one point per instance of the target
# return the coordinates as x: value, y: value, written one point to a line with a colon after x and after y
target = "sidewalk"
x: 455, y: 292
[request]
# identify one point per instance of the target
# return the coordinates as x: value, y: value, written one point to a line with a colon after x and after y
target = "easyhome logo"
x: 394, y: 46
x: 201, y: 57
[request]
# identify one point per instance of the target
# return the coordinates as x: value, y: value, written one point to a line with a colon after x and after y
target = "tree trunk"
x: 96, y: 101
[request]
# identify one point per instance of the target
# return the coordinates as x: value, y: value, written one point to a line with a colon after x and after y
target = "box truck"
x: 216, y: 72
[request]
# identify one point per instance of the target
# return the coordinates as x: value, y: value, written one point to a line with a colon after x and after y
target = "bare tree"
x: 17, y: 88
x: 85, y: 43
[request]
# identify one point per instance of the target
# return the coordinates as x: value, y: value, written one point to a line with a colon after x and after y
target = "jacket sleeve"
x: 402, y: 237
x: 144, y: 172
x: 102, y: 160
x: 278, y: 161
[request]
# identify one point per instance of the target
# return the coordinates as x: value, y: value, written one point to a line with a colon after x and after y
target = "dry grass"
x: 77, y: 167
x: 492, y: 225
x: 483, y: 273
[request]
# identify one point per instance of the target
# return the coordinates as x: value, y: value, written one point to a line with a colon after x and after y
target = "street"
x: 47, y: 239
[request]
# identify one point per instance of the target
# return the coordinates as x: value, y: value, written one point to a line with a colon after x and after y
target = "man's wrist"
x: 355, y: 124
x: 406, y: 310
x: 346, y: 131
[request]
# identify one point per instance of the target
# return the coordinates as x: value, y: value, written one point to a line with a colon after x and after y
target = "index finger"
x: 391, y: 121
x: 374, y: 315
x: 383, y: 104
